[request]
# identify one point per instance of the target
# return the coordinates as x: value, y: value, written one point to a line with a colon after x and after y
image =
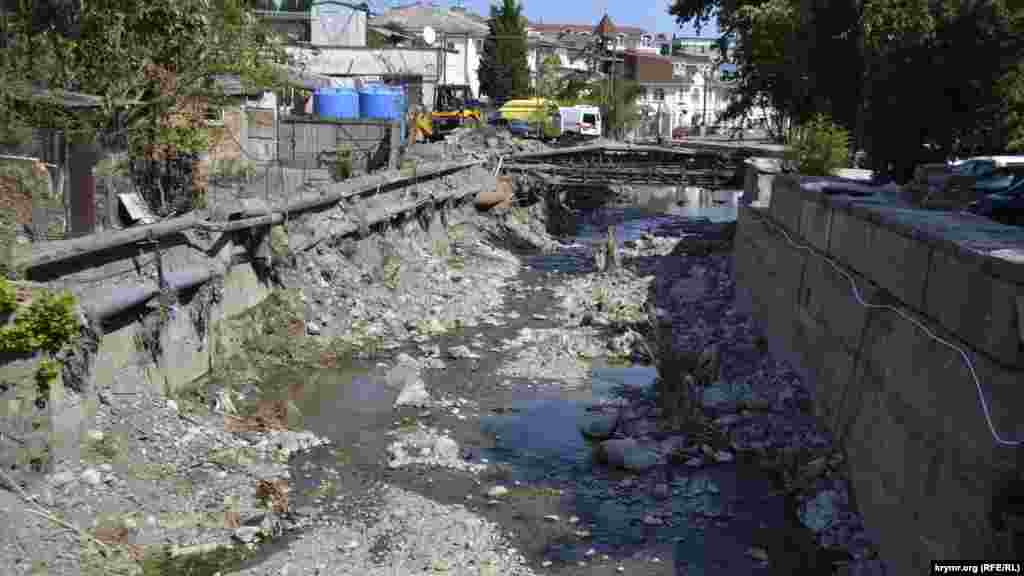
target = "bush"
x: 819, y: 147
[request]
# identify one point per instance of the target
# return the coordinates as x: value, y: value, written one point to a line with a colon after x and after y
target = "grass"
x: 392, y: 271
x: 233, y: 457
x: 534, y: 492
x: 106, y: 449
x: 520, y: 214
x: 151, y: 471
x: 217, y: 560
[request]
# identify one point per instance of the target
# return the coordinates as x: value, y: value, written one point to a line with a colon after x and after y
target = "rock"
x: 92, y: 477
x: 404, y: 358
x: 551, y: 518
x: 688, y: 290
x: 758, y: 554
x: 461, y: 352
x: 821, y: 511
x: 172, y: 405
x: 350, y: 545
x: 722, y: 457
x: 574, y: 519
x: 446, y: 449
x: 414, y: 393
x: 599, y: 427
x: 660, y: 491
x: 814, y: 468
x: 651, y: 520
x: 62, y: 478
x: 628, y: 454
x: 313, y: 328
x: 247, y: 534
x: 497, y: 491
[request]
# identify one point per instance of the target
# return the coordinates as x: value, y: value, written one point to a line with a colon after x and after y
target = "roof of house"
x: 585, y: 28
x: 65, y: 98
x: 647, y: 56
x: 231, y: 85
x: 419, y: 16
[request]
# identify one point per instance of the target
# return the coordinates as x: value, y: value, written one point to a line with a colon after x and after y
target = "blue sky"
x: 649, y: 14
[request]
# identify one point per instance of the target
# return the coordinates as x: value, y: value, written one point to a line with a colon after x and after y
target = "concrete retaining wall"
x: 159, y: 346
x: 928, y: 475
x: 374, y: 143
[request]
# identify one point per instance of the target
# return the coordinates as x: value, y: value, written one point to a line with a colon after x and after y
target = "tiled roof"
x: 418, y: 16
x: 584, y: 28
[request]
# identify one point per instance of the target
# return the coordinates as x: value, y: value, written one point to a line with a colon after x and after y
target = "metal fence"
x: 166, y: 185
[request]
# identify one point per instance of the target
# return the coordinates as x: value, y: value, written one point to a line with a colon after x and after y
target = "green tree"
x: 617, y: 101
x: 898, y: 73
x: 162, y: 54
x: 1013, y: 88
x: 503, y: 72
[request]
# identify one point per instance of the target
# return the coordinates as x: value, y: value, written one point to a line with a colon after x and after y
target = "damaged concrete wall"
x: 928, y: 474
x: 166, y: 342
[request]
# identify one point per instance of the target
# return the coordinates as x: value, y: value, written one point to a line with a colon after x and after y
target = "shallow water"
x: 713, y: 516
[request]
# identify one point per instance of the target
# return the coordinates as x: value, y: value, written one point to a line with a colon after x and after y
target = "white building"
x: 458, y: 34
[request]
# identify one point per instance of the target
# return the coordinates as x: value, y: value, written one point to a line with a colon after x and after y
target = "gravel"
x: 412, y: 535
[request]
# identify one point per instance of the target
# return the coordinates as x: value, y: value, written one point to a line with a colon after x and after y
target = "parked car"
x: 1006, y: 206
x: 519, y: 128
x: 975, y: 177
x: 579, y: 120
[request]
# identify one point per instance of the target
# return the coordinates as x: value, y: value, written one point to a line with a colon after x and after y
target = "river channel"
x: 567, y: 513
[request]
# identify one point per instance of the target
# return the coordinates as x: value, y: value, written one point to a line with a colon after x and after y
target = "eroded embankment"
x: 165, y: 485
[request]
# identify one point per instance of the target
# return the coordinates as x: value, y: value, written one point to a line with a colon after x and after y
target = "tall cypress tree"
x: 504, y: 72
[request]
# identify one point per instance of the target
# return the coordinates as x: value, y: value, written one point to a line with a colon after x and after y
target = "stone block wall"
x: 928, y: 474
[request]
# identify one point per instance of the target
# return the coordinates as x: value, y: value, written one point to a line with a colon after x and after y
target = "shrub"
x: 819, y: 147
x: 47, y: 324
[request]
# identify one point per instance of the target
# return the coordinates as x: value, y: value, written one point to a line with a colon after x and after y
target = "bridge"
x: 706, y: 166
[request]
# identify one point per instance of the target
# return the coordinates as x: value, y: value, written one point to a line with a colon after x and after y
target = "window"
x: 590, y: 119
x: 451, y: 45
x: 620, y: 40
x: 645, y: 41
x: 659, y: 94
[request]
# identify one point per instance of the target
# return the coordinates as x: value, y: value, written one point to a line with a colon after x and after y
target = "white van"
x: 582, y: 120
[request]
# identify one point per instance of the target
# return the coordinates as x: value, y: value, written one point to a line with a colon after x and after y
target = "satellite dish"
x: 429, y: 36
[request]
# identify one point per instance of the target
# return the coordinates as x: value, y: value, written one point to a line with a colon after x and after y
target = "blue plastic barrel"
x: 379, y: 102
x: 382, y: 102
x: 336, y: 103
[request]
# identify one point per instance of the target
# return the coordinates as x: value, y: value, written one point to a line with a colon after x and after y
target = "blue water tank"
x: 382, y: 102
x: 379, y: 102
x: 336, y: 103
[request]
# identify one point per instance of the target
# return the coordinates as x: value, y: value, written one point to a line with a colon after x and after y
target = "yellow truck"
x: 524, y: 109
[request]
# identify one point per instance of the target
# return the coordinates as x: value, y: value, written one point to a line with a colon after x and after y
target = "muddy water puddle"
x: 567, y: 513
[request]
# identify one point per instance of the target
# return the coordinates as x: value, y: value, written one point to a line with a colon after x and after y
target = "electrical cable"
x: 970, y: 365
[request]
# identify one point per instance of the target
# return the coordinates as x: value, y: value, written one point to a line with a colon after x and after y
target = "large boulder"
x: 599, y: 426
x: 628, y: 454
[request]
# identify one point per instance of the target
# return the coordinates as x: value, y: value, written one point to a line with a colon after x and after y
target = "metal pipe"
x: 72, y: 249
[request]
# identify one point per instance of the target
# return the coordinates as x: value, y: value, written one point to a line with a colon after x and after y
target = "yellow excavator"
x: 454, y: 107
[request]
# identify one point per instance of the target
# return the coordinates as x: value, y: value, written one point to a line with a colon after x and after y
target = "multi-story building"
x: 459, y: 33
x: 680, y: 83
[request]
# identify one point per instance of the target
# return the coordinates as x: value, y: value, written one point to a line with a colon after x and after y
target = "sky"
x: 651, y: 15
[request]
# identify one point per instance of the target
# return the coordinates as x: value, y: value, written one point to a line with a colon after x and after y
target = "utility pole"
x: 704, y: 118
